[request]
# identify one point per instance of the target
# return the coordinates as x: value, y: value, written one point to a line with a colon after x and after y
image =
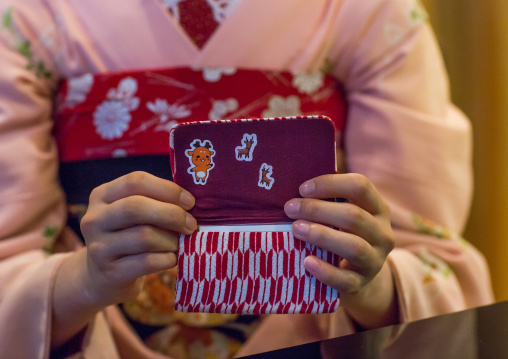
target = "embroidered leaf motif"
x: 433, y: 266
x: 327, y: 67
x: 24, y: 47
x: 7, y: 19
x: 50, y: 234
x: 418, y: 13
x: 426, y: 226
x: 41, y: 70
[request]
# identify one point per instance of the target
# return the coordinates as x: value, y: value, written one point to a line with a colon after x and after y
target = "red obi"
x: 131, y: 113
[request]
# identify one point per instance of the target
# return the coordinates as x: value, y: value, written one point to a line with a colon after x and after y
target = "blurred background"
x: 473, y: 35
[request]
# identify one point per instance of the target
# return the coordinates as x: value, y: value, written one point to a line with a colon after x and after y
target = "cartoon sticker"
x: 201, y: 160
x: 265, y: 176
x: 245, y: 152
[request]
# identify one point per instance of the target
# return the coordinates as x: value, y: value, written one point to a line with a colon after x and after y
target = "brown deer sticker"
x: 245, y: 152
x: 200, y: 158
x: 265, y: 176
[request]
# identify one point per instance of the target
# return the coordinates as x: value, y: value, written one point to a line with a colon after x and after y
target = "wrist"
x: 73, y: 304
x: 376, y: 304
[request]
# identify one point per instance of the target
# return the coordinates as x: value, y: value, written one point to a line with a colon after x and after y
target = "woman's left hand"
x: 364, y: 241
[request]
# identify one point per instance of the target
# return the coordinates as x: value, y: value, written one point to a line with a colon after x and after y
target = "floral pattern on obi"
x: 131, y: 113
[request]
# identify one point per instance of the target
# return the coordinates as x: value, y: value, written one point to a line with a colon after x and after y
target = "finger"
x: 346, y: 245
x: 345, y: 216
x: 344, y: 281
x: 138, y: 210
x: 129, y: 268
x: 142, y: 184
x: 131, y: 241
x: 353, y: 186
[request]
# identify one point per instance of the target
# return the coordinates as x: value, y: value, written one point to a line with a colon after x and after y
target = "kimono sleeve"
x: 404, y: 134
x: 32, y: 209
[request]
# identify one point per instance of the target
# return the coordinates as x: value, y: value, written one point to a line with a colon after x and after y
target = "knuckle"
x: 362, y: 252
x: 95, y: 250
x: 129, y: 208
x: 133, y: 181
x: 96, y: 193
x: 385, y: 208
x: 353, y: 217
x: 361, y: 184
x: 89, y: 223
x: 309, y: 208
x: 387, y: 239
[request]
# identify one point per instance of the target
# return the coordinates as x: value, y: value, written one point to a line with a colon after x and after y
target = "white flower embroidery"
x: 215, y: 74
x: 125, y: 92
x: 111, y: 119
x: 308, y: 82
x: 222, y: 8
x: 221, y: 108
x: 279, y: 106
x: 166, y: 111
x: 172, y: 6
x: 79, y: 88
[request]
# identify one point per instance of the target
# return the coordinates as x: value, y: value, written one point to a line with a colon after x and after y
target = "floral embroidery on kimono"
x: 22, y: 46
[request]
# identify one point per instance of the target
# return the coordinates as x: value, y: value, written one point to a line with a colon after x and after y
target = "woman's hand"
x: 364, y: 240
x: 131, y: 229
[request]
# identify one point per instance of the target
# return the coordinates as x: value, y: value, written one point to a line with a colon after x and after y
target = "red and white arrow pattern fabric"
x: 250, y: 273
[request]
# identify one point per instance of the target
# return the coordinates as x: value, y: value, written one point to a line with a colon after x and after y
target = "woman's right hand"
x: 131, y: 229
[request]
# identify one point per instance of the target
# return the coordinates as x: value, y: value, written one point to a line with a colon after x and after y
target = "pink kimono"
x: 402, y: 133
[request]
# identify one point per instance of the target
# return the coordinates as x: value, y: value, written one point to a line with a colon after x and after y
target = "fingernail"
x: 301, y: 228
x: 307, y: 188
x: 190, y: 223
x: 186, y: 200
x: 311, y: 264
x: 292, y: 208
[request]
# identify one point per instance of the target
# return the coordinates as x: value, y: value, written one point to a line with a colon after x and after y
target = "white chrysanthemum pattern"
x: 308, y: 82
x: 166, y: 111
x: 279, y: 106
x: 215, y: 74
x: 111, y: 119
x: 78, y: 90
x: 222, y: 8
x: 222, y: 107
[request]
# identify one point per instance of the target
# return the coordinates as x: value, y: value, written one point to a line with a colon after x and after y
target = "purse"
x: 243, y: 259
